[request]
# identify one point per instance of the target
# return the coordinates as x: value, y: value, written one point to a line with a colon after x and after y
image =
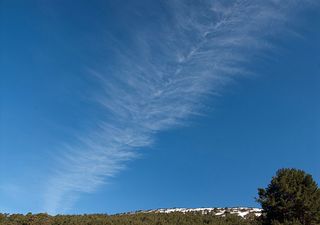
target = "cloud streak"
x: 163, y: 80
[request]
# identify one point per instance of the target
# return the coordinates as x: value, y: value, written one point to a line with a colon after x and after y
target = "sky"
x: 115, y: 106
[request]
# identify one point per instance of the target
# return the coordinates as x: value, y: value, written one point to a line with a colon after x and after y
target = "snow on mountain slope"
x: 240, y: 211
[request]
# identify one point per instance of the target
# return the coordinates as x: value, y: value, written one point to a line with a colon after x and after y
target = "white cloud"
x: 162, y: 81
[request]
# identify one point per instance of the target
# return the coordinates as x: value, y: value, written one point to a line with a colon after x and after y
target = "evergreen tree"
x: 292, y: 197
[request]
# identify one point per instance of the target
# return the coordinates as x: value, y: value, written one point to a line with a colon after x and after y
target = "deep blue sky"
x: 60, y: 60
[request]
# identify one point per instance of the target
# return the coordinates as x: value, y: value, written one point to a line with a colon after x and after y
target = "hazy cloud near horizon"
x: 160, y: 78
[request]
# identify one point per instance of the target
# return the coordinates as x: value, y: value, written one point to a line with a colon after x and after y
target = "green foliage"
x: 292, y: 222
x: 176, y: 218
x: 292, y: 198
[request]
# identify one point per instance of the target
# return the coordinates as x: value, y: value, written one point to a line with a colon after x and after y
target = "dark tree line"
x: 177, y: 218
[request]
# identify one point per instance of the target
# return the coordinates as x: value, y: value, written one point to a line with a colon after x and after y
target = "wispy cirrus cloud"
x: 163, y: 80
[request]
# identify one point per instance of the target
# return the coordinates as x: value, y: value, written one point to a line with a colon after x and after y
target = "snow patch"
x: 239, y: 211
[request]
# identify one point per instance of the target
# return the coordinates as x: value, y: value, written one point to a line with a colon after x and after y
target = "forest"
x: 125, y: 219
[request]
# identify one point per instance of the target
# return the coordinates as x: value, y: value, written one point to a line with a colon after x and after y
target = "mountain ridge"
x: 218, y: 211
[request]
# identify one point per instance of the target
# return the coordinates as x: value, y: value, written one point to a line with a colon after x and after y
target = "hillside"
x: 238, y: 211
x: 172, y: 216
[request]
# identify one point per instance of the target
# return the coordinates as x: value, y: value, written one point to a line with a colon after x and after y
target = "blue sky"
x: 112, y: 106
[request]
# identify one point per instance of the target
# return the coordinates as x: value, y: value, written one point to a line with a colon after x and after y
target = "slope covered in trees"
x: 126, y: 219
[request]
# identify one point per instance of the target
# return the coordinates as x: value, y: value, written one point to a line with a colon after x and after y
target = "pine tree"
x: 292, y: 197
